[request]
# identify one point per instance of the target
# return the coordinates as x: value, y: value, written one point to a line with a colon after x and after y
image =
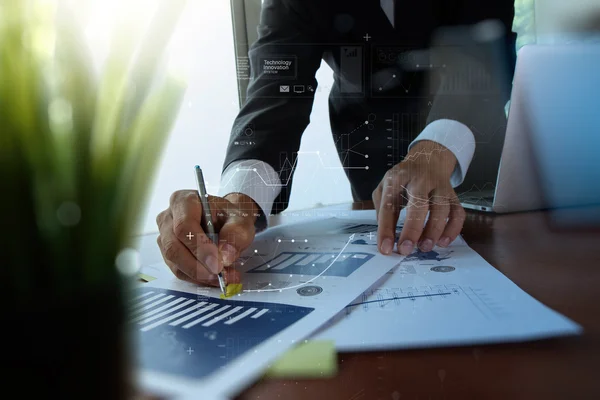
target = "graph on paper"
x: 417, y: 315
x: 313, y: 263
x: 391, y: 298
x: 183, y: 334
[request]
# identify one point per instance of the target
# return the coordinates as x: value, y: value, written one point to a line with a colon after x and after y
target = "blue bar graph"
x: 311, y: 263
x: 192, y: 336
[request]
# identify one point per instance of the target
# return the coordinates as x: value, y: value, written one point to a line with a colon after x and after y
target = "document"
x: 445, y: 297
x: 324, y: 279
x: 295, y: 279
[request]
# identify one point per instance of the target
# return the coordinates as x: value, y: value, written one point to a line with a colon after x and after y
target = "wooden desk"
x: 562, y: 270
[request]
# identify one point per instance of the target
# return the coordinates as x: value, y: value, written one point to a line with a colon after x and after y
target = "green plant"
x: 524, y: 22
x: 77, y: 153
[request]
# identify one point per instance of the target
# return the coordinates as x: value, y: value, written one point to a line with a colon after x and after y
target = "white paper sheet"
x: 443, y: 298
x: 288, y: 271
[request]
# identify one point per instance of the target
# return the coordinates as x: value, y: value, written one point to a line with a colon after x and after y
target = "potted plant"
x: 77, y: 154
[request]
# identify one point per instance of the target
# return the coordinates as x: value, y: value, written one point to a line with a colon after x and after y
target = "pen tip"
x: 197, y: 167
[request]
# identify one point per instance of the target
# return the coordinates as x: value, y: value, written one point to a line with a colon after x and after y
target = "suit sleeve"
x: 477, y: 55
x: 283, y: 63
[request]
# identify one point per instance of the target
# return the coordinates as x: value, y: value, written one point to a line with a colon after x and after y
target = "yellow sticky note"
x: 146, y: 278
x: 231, y: 290
x: 311, y: 359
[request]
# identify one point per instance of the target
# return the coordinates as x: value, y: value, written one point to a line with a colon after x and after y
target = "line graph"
x: 384, y: 83
x: 310, y: 280
x: 397, y: 298
x: 389, y: 299
x: 273, y: 178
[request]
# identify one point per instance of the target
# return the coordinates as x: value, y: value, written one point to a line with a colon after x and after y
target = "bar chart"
x: 358, y: 228
x: 179, y: 333
x: 311, y: 263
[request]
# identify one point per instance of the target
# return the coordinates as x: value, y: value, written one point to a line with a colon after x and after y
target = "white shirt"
x: 260, y: 181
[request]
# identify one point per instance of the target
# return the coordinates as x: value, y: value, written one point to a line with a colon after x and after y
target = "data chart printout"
x: 445, y: 297
x: 296, y: 278
x: 181, y: 318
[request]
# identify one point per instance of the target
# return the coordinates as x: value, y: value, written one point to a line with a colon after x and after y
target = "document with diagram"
x: 445, y: 297
x: 295, y: 278
x: 325, y: 279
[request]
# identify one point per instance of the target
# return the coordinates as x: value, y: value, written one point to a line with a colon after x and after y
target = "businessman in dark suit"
x: 395, y: 61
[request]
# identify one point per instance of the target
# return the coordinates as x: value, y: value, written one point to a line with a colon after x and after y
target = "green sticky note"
x: 311, y: 359
x: 146, y: 278
x: 231, y: 290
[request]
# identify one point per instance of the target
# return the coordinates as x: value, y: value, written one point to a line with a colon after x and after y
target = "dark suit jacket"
x: 303, y: 32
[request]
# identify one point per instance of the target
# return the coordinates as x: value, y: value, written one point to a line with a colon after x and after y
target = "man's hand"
x: 186, y: 249
x: 421, y: 183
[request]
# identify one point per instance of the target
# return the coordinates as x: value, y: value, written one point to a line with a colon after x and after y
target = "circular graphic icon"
x: 248, y: 131
x: 443, y: 268
x: 309, y: 290
x: 370, y: 119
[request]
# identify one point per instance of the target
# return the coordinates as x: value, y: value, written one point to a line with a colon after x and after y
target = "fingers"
x: 179, y: 258
x: 376, y: 196
x: 235, y: 236
x: 230, y: 274
x: 439, y: 208
x: 455, y: 223
x: 186, y: 210
x: 187, y: 250
x: 416, y: 213
x: 390, y: 204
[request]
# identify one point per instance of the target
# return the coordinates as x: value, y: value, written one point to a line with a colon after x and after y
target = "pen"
x: 208, y: 215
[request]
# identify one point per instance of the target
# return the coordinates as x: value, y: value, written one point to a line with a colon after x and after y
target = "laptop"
x: 550, y: 156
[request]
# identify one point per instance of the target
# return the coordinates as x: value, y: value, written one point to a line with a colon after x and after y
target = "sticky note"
x: 311, y: 359
x: 231, y: 290
x: 146, y: 278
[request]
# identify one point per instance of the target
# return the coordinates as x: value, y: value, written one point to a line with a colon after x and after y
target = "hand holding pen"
x: 208, y: 220
x: 186, y: 243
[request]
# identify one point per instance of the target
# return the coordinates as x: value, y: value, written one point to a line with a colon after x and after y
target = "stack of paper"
x: 325, y: 278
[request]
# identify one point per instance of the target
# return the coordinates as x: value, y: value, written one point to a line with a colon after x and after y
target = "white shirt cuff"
x: 254, y: 178
x: 457, y: 138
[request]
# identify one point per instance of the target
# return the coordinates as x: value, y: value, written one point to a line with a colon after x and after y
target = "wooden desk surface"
x: 561, y: 269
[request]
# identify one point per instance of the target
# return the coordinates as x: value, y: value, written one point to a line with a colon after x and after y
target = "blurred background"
x: 205, y: 47
x: 211, y: 104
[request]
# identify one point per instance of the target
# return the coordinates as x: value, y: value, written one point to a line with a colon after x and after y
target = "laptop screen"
x: 562, y: 96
